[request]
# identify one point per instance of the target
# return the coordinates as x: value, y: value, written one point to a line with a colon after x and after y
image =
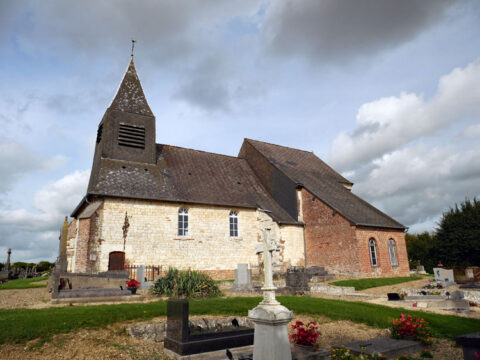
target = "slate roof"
x: 316, y: 176
x: 130, y: 97
x: 186, y: 175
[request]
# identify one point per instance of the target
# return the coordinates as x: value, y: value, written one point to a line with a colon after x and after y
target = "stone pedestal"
x: 271, y: 332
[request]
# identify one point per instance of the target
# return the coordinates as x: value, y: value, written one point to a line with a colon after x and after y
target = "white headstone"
x: 444, y: 275
x: 243, y: 277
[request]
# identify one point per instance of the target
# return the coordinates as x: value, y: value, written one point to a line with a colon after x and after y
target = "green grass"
x: 362, y: 284
x: 23, y: 284
x: 21, y: 325
x: 222, y: 281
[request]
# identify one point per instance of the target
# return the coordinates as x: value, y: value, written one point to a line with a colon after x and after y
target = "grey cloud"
x: 16, y: 160
x: 33, y: 236
x: 165, y: 30
x: 339, y: 31
x: 214, y: 85
x: 417, y: 184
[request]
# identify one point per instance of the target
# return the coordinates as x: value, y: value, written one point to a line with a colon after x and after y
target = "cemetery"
x: 241, y: 324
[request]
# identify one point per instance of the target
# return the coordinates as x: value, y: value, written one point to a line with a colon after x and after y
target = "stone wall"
x: 153, y: 237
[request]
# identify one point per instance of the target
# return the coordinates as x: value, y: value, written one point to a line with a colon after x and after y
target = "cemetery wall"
x: 381, y: 236
x: 330, y: 239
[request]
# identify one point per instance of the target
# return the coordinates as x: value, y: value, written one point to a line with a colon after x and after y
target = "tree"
x: 421, y: 250
x: 458, y: 235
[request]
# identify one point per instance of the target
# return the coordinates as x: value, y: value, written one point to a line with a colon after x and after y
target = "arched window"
x: 183, y: 222
x: 233, y: 224
x: 391, y: 251
x: 373, y: 252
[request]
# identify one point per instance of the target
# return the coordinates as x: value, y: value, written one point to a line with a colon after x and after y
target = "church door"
x: 116, y: 260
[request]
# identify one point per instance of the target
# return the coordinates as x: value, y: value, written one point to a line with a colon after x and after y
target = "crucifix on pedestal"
x: 270, y: 317
x: 267, y: 248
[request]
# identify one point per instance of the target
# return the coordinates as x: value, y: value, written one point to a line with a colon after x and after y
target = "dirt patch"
x: 113, y: 343
x: 24, y: 298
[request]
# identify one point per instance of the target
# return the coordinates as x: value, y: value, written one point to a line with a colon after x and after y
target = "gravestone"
x: 243, y: 278
x: 393, y: 297
x: 456, y: 295
x: 392, y: 348
x: 470, y: 344
x: 446, y: 276
x: 6, y: 273
x: 270, y: 317
x: 183, y: 339
x: 421, y: 270
x: 296, y: 279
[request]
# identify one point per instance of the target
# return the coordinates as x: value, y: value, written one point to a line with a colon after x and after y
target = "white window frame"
x: 372, y: 249
x: 393, y: 253
x: 182, y: 222
x: 233, y: 222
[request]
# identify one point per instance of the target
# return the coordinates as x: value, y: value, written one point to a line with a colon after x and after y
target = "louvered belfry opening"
x: 131, y: 136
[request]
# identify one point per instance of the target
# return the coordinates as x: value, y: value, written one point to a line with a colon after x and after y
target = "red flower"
x: 132, y: 283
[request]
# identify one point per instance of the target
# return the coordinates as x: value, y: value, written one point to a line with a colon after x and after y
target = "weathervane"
x: 133, y: 46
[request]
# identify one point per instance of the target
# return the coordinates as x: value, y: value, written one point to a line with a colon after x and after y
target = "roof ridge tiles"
x: 286, y: 147
x: 201, y: 151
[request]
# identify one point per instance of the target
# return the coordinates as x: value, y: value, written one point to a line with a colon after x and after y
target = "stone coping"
x: 85, y: 300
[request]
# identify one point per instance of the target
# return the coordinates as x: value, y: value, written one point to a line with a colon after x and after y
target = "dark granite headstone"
x: 393, y: 297
x: 177, y: 319
x: 185, y: 341
x: 470, y: 344
x: 296, y: 279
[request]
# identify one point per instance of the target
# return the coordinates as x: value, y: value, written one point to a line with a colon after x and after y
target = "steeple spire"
x: 130, y: 97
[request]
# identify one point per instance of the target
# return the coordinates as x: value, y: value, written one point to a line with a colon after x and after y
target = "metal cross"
x: 125, y: 227
x: 133, y: 46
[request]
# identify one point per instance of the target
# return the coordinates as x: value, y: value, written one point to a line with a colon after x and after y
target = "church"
x: 157, y: 204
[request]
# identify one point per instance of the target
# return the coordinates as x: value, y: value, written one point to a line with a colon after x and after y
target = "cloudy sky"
x: 387, y: 92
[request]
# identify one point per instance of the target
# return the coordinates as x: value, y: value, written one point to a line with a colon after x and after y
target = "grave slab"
x: 392, y: 348
x: 470, y: 344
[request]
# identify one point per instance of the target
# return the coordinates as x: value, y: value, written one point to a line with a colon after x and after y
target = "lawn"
x: 21, y: 325
x: 23, y: 284
x: 362, y: 284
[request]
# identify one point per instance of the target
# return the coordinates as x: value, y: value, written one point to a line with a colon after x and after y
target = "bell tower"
x: 127, y: 129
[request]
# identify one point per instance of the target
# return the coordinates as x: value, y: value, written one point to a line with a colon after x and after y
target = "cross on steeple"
x: 133, y: 47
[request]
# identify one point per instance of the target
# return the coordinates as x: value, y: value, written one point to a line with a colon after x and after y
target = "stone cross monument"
x: 270, y: 317
x: 7, y: 264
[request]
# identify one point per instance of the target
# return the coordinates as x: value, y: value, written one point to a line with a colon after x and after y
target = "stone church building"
x: 156, y: 204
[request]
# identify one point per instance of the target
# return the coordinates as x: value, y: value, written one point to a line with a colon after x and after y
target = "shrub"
x: 407, y: 327
x: 185, y: 283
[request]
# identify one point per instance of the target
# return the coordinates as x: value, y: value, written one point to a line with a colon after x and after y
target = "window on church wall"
x: 182, y: 222
x: 392, y: 252
x: 233, y: 224
x: 373, y: 252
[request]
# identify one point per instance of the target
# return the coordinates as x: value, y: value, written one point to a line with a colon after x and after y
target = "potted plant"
x: 132, y: 285
x: 305, y: 336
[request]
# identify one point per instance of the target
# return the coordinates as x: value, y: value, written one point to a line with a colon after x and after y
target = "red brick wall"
x: 384, y: 267
x: 329, y: 238
x: 332, y: 242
